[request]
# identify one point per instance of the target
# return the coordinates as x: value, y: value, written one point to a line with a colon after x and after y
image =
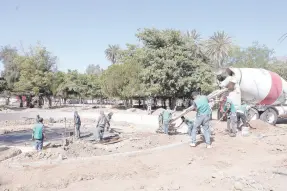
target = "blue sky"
x: 78, y: 31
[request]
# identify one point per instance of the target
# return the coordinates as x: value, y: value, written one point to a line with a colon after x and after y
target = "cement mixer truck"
x: 264, y: 90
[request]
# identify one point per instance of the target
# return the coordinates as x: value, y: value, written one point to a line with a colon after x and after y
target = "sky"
x: 79, y: 31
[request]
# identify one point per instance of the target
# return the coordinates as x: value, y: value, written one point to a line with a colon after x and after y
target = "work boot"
x: 192, y: 144
x: 208, y: 146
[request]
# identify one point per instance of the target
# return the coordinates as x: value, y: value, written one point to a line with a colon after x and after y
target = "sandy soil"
x: 255, y: 162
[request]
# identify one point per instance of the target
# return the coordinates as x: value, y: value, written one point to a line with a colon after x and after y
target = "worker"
x: 189, y: 123
x: 202, y: 107
x: 37, y: 118
x: 109, y: 117
x: 149, y: 105
x: 101, y: 124
x: 160, y: 121
x: 38, y: 134
x: 230, y: 111
x: 241, y: 114
x: 166, y: 117
x: 77, y: 124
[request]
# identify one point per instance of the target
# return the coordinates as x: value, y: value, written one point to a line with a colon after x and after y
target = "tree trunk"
x: 49, y: 101
x: 155, y: 102
x: 172, y: 102
x: 28, y: 101
x: 126, y: 103
x: 21, y: 101
x: 65, y: 101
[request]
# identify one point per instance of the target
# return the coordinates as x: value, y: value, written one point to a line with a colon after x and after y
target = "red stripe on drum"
x: 275, y: 90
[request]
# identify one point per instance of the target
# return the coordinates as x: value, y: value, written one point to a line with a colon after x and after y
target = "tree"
x: 112, y: 53
x: 11, y: 71
x: 218, y: 48
x: 171, y: 65
x: 194, y: 35
x: 37, y: 70
x: 68, y: 85
x: 94, y: 70
x: 255, y: 56
x: 94, y: 87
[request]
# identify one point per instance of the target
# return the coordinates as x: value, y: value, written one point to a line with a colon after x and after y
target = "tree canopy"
x: 165, y: 63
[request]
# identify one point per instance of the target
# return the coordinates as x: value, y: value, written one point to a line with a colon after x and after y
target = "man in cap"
x: 201, y: 105
x: 101, y: 124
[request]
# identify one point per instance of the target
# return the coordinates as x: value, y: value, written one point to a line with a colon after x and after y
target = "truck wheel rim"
x: 270, y: 118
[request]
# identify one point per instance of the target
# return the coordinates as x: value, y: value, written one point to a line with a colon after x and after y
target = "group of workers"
x: 103, y: 124
x: 203, y: 106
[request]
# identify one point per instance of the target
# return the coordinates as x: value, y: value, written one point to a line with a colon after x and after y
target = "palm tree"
x: 112, y: 53
x: 218, y: 48
x: 194, y: 35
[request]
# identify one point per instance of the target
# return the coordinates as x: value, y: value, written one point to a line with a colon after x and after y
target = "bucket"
x: 245, y: 131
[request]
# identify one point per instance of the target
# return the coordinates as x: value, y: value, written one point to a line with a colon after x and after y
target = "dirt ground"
x: 150, y: 161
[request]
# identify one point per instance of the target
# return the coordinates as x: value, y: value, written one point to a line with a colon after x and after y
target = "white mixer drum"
x: 260, y: 86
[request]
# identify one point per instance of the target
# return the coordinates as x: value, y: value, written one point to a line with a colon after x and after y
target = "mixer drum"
x: 260, y: 86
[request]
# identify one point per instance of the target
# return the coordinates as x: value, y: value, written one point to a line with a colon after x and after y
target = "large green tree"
x: 11, y: 72
x: 172, y: 66
x: 37, y: 68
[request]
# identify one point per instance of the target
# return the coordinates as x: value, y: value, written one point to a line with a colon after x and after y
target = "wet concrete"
x: 24, y: 137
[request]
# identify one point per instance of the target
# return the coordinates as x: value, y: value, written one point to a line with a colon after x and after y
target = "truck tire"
x: 269, y: 116
x: 252, y: 114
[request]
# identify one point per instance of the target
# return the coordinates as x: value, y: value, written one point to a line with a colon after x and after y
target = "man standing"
x: 37, y: 118
x: 166, y: 117
x: 202, y: 108
x: 102, y: 121
x: 230, y: 110
x: 160, y: 121
x: 38, y: 134
x: 77, y: 123
x: 149, y: 105
x: 109, y: 117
